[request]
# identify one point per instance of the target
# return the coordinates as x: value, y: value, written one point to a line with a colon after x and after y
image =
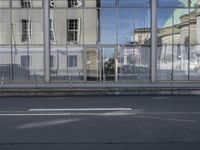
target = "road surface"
x: 100, y: 123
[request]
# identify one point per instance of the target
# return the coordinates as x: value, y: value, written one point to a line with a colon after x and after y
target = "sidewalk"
x: 95, y: 88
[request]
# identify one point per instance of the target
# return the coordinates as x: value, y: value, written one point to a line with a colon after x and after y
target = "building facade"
x: 99, y: 40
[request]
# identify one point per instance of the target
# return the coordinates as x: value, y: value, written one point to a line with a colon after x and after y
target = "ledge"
x: 76, y: 89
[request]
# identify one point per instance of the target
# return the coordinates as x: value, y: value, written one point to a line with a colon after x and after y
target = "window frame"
x: 52, y: 31
x: 26, y: 59
x: 26, y: 32
x: 75, y: 38
x: 26, y: 3
x: 74, y: 3
x: 72, y: 61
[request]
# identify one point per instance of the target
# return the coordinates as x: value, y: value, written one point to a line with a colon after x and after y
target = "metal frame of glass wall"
x: 118, y: 42
x: 107, y: 15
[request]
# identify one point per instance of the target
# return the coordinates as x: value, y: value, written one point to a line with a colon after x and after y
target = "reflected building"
x: 67, y: 35
x: 134, y: 56
x: 23, y: 59
x: 21, y: 40
x: 99, y: 40
x: 179, y: 49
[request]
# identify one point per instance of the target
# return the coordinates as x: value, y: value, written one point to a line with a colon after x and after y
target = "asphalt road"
x: 100, y: 123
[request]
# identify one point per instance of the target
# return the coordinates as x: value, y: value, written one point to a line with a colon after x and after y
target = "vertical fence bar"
x: 11, y: 42
x: 153, y: 40
x: 117, y: 40
x: 46, y: 15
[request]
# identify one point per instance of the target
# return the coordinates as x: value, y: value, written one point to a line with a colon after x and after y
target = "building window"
x: 72, y: 61
x: 52, y: 31
x: 52, y: 61
x: 26, y: 30
x: 74, y: 3
x: 26, y: 3
x: 73, y: 32
x: 25, y: 61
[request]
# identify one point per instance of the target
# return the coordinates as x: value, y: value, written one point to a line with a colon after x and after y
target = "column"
x: 46, y: 10
x: 153, y: 40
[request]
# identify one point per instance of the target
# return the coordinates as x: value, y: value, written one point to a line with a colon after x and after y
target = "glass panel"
x: 4, y: 26
x: 24, y: 66
x: 27, y: 3
x: 17, y: 28
x: 173, y: 3
x: 74, y: 27
x: 4, y: 3
x: 36, y: 68
x: 126, y: 26
x: 100, y: 3
x: 91, y: 26
x: 178, y: 3
x: 20, y: 69
x: 36, y: 27
x: 165, y: 28
x: 27, y: 31
x: 195, y: 62
x: 134, y: 26
x: 180, y: 62
x: 108, y: 26
x: 27, y: 27
x: 108, y: 64
x: 58, y: 26
x: 142, y: 26
x: 164, y: 62
x: 195, y: 3
x: 131, y: 3
x: 92, y: 64
x: 181, y: 26
x: 176, y: 23
x: 58, y: 62
x: 194, y: 26
x: 133, y: 63
x: 5, y: 63
x: 75, y: 71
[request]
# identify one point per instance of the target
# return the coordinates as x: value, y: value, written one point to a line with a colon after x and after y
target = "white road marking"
x: 66, y: 114
x: 166, y: 119
x: 44, y: 114
x: 46, y: 123
x: 169, y: 113
x: 80, y: 109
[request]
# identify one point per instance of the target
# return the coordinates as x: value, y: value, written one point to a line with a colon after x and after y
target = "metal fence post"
x: 2, y: 82
x: 46, y: 15
x: 153, y: 40
x: 35, y: 77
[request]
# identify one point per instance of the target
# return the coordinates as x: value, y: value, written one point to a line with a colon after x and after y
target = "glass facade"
x: 21, y: 40
x: 99, y: 40
x: 178, y: 40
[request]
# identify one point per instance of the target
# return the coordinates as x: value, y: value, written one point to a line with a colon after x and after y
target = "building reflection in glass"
x: 99, y: 40
x: 178, y: 40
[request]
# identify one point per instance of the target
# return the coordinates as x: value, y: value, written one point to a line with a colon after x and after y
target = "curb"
x: 98, y: 91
